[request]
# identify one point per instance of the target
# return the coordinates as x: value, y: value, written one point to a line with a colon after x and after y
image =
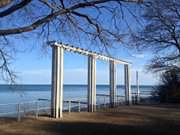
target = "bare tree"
x: 96, y: 21
x: 160, y: 34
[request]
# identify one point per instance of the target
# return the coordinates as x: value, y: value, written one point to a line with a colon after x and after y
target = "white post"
x: 112, y: 77
x: 19, y: 112
x: 127, y: 81
x: 37, y: 109
x: 79, y: 106
x: 91, y: 83
x: 69, y: 105
x: 57, y: 82
x: 137, y: 85
x: 104, y: 101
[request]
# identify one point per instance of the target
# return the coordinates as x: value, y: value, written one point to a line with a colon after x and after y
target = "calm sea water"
x: 22, y: 93
x: 28, y: 95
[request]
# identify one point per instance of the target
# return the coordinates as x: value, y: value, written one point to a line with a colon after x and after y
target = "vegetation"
x: 161, y: 35
x: 169, y: 89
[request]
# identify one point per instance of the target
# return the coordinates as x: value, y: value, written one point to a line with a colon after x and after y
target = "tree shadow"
x: 58, y: 127
x: 92, y: 128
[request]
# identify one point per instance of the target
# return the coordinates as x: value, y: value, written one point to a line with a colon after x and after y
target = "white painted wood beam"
x: 137, y: 85
x: 87, y: 52
x: 127, y: 81
x: 91, y: 83
x: 57, y: 82
x: 112, y: 80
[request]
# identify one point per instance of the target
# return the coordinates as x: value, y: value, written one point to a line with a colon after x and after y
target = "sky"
x: 33, y: 64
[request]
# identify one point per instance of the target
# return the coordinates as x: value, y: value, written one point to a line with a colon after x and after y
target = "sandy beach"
x: 140, y: 120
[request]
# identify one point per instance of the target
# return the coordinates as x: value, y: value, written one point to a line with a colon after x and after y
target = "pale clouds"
x: 79, y: 76
x: 39, y: 76
x: 138, y: 55
x: 43, y: 76
x: 37, y: 72
x: 75, y: 76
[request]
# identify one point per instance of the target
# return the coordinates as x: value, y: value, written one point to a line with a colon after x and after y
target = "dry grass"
x: 140, y: 120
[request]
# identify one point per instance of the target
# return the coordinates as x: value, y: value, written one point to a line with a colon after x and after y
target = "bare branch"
x: 160, y: 34
x: 14, y: 8
x: 45, y: 18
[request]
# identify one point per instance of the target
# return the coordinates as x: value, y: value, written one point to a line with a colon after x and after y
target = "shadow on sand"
x: 160, y: 122
x: 85, y: 128
x: 91, y: 128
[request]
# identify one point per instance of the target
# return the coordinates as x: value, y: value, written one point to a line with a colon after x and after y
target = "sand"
x: 124, y: 120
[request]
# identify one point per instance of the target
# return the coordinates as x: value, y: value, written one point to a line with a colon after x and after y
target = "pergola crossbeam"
x: 87, y: 53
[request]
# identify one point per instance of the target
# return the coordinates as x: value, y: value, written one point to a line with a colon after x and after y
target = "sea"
x: 15, y: 94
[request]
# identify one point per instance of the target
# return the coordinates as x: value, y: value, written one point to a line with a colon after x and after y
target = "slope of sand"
x: 134, y: 120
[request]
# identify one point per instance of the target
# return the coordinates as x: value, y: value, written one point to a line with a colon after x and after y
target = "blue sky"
x: 33, y: 66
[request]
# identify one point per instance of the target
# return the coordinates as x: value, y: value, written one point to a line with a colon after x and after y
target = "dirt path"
x: 140, y: 120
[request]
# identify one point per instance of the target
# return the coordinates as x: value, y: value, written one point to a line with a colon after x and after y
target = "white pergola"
x: 58, y: 73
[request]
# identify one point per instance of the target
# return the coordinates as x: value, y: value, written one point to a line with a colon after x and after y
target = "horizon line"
x: 77, y: 84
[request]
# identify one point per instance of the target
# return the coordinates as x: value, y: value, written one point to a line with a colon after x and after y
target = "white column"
x: 57, y: 81
x: 137, y: 85
x: 91, y: 83
x: 127, y: 81
x: 112, y: 80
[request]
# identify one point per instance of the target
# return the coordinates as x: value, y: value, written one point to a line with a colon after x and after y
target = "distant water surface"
x: 22, y: 93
